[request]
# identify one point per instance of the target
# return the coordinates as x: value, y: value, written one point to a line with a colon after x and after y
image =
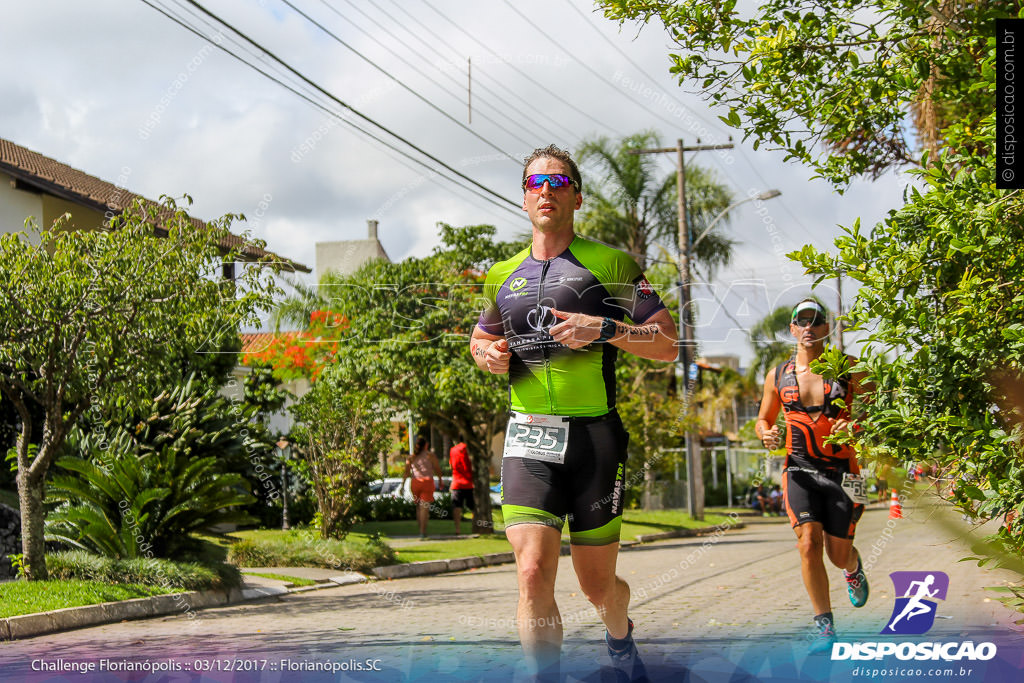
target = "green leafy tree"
x: 628, y: 206
x: 841, y: 86
x: 91, y: 318
x: 343, y: 427
x: 655, y: 421
x: 406, y: 334
x: 844, y: 87
x: 771, y: 347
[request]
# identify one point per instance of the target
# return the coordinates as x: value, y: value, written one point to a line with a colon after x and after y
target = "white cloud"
x: 90, y: 75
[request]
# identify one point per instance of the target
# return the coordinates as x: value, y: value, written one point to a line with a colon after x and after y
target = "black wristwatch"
x: 608, y: 328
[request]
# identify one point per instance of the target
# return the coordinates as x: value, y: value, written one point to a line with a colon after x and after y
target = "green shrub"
x: 304, y: 549
x: 77, y: 564
x: 389, y: 508
x: 142, y: 492
x: 442, y: 507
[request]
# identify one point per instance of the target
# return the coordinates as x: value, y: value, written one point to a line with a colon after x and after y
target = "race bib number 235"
x: 541, y: 437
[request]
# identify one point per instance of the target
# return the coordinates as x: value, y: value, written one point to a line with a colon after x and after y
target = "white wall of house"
x: 82, y: 218
x: 16, y: 206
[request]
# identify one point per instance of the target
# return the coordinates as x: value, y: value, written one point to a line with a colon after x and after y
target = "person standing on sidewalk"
x: 823, y: 492
x: 555, y: 320
x: 422, y: 466
x: 462, y: 483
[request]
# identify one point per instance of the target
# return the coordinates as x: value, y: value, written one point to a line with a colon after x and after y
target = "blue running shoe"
x: 626, y: 660
x: 857, y: 585
x: 822, y: 641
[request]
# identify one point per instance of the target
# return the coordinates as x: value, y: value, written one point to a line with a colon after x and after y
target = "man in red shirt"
x: 462, y: 482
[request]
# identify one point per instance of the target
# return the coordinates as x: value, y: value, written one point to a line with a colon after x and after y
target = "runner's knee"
x: 536, y: 580
x: 810, y: 543
x: 599, y: 590
x: 839, y: 555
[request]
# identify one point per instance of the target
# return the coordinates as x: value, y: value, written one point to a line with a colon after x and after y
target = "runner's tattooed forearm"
x: 637, y: 331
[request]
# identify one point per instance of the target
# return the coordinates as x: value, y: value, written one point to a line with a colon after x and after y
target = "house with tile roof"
x: 32, y: 184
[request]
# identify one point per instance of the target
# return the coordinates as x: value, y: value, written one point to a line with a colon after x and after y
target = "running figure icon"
x: 916, y: 606
x: 917, y: 595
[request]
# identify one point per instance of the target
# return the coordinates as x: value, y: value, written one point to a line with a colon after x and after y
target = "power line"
x: 630, y: 60
x: 506, y: 201
x: 348, y: 106
x: 413, y: 66
x: 520, y: 71
x: 396, y: 80
x: 536, y: 27
x: 398, y: 39
x: 442, y: 41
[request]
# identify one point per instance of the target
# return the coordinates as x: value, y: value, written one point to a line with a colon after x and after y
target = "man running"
x: 817, y: 476
x: 556, y: 317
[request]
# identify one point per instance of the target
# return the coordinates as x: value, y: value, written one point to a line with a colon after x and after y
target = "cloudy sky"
x: 124, y: 93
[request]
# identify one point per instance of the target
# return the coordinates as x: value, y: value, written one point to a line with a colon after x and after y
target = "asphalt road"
x: 715, y: 605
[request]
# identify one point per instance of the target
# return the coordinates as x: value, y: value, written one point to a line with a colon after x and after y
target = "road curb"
x: 68, y: 618
x: 683, y: 533
x: 28, y: 625
x: 431, y: 567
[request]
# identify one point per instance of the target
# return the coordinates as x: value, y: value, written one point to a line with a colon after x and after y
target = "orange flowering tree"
x: 305, y: 353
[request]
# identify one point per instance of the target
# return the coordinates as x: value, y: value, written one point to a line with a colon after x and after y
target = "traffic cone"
x: 895, y: 511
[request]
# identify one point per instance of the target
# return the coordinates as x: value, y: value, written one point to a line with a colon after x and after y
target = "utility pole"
x: 687, y: 361
x: 839, y: 315
x: 284, y: 447
x: 469, y: 88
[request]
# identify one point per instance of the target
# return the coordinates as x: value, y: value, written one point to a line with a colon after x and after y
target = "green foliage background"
x: 853, y: 88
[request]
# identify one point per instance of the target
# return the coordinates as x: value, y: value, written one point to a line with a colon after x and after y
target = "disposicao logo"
x: 913, y: 614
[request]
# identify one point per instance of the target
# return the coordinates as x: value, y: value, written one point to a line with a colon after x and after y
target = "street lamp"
x: 284, y: 447
x: 767, y: 194
x: 688, y: 345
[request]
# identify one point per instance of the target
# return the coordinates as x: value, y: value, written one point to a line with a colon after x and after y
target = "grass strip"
x: 303, y: 548
x: 30, y: 597
x: 294, y: 580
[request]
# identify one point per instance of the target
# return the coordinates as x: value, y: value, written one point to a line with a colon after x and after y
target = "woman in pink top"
x: 422, y: 466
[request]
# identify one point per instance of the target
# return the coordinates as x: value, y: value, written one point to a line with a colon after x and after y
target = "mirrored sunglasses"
x: 535, y: 182
x: 811, y: 322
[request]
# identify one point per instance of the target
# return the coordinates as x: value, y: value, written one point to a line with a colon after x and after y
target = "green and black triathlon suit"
x: 565, y: 446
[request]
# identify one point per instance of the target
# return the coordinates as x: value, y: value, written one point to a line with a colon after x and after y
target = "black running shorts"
x: 463, y: 498
x: 587, y: 487
x: 819, y: 497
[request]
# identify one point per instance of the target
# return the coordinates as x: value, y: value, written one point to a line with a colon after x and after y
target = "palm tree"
x: 771, y: 341
x: 628, y: 206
